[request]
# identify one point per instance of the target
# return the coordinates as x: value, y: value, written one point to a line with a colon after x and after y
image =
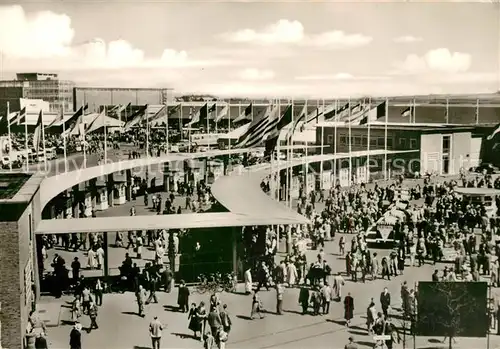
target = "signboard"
x: 34, y: 105
x: 384, y: 230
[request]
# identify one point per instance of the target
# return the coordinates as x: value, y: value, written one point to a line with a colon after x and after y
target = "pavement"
x: 291, y: 330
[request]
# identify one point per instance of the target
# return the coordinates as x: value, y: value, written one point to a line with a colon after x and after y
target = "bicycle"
x: 211, y: 284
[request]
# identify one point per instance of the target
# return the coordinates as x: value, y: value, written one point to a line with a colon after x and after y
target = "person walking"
x: 226, y: 319
x: 140, y: 296
x: 385, y: 302
x: 93, y: 316
x: 280, y: 290
x: 98, y: 291
x: 183, y: 297
x: 75, y: 337
x: 348, y: 309
x: 155, y: 328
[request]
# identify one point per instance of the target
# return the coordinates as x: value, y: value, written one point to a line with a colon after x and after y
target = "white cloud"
x: 45, y: 41
x: 407, y: 39
x: 337, y: 39
x: 292, y: 32
x: 440, y: 60
x: 345, y: 77
x: 253, y: 74
x: 283, y: 31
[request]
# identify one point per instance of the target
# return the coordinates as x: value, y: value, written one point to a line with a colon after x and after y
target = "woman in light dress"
x: 291, y: 274
x: 76, y: 310
x: 100, y: 257
x: 91, y: 259
x: 248, y: 281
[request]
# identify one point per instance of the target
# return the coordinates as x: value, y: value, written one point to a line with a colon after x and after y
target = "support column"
x: 235, y: 231
x: 111, y: 192
x: 128, y: 190
x: 225, y: 164
x: 207, y: 169
x: 288, y: 239
x: 106, y: 254
x: 166, y: 177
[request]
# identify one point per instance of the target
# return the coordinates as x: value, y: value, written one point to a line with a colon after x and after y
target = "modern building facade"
x: 48, y: 87
x: 424, y: 148
x: 99, y: 96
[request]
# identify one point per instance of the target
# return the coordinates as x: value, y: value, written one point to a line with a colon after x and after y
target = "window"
x: 413, y: 143
x: 446, y: 144
x: 389, y: 142
x: 402, y: 143
x: 357, y: 140
x: 381, y: 142
x: 343, y: 140
x: 329, y: 139
x: 446, y: 164
x: 373, y: 142
x: 364, y: 141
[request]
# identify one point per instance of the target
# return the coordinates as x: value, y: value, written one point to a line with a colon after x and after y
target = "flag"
x: 160, y: 114
x: 12, y: 118
x: 495, y: 131
x: 373, y: 114
x: 136, y: 117
x: 273, y: 137
x: 75, y: 128
x: 245, y: 114
x: 119, y: 108
x: 222, y: 113
x: 296, y: 121
x: 37, y: 136
x: 259, y: 128
x: 407, y: 112
x: 174, y: 110
x: 200, y: 115
x: 97, y: 123
x: 73, y: 120
x: 330, y: 112
x: 21, y: 116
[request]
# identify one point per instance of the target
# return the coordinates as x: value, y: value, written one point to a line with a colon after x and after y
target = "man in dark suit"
x: 75, y: 337
x: 40, y: 342
x: 385, y: 302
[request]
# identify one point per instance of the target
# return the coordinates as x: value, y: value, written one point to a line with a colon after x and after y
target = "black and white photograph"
x: 242, y: 174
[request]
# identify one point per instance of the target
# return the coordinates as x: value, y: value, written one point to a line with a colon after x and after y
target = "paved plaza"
x: 120, y: 327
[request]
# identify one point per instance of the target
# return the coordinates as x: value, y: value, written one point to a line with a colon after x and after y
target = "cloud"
x: 283, y: 31
x: 292, y: 32
x: 253, y: 74
x: 346, y: 77
x: 440, y: 60
x: 338, y: 39
x: 407, y: 39
x: 45, y: 41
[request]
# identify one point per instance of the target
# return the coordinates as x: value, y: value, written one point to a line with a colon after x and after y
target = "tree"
x: 450, y: 309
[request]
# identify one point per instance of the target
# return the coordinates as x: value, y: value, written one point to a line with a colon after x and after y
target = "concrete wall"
x: 460, y: 151
x: 430, y: 153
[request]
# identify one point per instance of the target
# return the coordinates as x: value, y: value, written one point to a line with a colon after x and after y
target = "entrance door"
x: 344, y: 177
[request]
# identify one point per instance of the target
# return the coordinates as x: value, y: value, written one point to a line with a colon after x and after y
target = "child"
x: 256, y: 306
x: 208, y: 341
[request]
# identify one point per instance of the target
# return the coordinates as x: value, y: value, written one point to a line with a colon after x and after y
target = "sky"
x: 258, y: 49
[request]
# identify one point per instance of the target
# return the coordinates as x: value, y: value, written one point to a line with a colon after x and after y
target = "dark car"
x: 488, y: 168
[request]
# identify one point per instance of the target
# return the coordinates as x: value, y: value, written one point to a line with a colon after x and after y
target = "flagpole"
x: 477, y: 111
x: 43, y: 144
x: 181, y: 116
x: 84, y: 145
x: 289, y: 159
x: 350, y: 143
x: 189, y: 128
x: 278, y: 178
x: 105, y: 137
x: 368, y: 137
x: 322, y: 145
x: 447, y: 111
x: 208, y: 127
x: 64, y: 141
x: 414, y: 111
x: 26, y: 140
x: 147, y: 133
x: 386, y: 177
x: 10, y: 137
x: 166, y: 126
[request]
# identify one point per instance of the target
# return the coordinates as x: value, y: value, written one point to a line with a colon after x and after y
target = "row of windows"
x: 374, y: 141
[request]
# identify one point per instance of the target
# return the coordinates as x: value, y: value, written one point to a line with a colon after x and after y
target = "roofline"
x: 124, y: 88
